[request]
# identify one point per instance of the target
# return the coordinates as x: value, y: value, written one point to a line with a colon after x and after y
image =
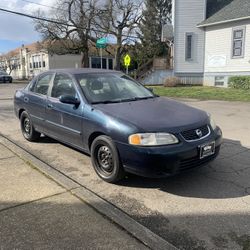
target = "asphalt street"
x: 208, y: 208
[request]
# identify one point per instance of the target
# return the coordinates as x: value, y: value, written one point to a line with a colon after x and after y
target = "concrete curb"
x: 105, y: 208
x: 6, y: 99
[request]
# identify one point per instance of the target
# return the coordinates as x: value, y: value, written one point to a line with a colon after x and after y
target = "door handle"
x: 49, y: 106
x: 26, y: 99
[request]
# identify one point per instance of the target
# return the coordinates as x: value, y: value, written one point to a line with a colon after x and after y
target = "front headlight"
x: 152, y: 139
x: 212, y: 122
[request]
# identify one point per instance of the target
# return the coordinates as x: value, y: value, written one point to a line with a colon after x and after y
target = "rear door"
x: 36, y: 100
x: 64, y: 120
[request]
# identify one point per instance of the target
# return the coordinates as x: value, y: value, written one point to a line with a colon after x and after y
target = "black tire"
x: 105, y: 159
x: 10, y: 81
x: 27, y: 128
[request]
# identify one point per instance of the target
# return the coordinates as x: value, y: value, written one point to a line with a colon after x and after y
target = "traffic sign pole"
x: 101, y: 44
x: 101, y: 56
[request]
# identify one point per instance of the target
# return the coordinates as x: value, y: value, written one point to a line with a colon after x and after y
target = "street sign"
x: 127, y: 60
x: 101, y: 43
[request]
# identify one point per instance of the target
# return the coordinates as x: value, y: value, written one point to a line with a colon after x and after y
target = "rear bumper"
x: 167, y: 160
x: 5, y: 78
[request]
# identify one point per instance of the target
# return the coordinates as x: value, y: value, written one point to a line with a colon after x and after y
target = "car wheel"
x: 106, y: 160
x: 27, y: 128
x: 10, y: 81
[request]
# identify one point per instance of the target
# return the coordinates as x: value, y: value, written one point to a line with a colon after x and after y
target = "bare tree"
x: 119, y: 18
x: 73, y: 30
x: 8, y: 62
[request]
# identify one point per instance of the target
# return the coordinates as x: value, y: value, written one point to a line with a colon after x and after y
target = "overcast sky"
x: 16, y: 30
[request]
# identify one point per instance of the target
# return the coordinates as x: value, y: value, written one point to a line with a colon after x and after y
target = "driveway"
x: 208, y: 208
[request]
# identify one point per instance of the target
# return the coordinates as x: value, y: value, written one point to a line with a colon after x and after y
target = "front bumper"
x: 168, y: 160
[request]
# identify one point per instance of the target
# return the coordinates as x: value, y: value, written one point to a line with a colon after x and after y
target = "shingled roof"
x: 223, y: 11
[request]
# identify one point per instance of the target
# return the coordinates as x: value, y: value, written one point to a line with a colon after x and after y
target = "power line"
x: 34, y: 17
x: 59, y: 22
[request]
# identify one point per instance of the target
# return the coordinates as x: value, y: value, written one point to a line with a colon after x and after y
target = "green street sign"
x: 127, y: 60
x: 101, y: 43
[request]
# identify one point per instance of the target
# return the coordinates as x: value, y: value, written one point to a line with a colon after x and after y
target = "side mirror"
x: 68, y: 99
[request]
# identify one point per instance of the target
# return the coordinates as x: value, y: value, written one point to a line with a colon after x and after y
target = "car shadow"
x: 46, y: 139
x: 225, y: 177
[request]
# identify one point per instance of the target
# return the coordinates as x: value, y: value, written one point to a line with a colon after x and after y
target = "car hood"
x: 157, y: 114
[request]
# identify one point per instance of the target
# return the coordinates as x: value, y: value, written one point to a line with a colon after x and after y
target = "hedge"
x: 239, y: 82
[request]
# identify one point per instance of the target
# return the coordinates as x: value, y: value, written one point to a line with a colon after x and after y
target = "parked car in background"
x: 122, y: 124
x: 4, y: 77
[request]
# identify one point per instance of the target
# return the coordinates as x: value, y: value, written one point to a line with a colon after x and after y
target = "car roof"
x: 75, y: 71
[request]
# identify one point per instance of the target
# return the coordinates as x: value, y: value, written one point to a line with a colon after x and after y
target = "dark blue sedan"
x: 122, y: 124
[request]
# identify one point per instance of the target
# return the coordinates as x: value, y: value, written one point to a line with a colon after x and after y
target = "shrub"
x: 239, y: 82
x: 171, y: 82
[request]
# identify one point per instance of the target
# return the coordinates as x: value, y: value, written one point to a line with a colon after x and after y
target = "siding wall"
x: 25, y: 71
x: 189, y: 13
x: 219, y: 47
x: 64, y: 61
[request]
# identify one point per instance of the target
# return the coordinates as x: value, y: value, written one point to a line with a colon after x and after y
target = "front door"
x: 64, y: 120
x: 37, y: 101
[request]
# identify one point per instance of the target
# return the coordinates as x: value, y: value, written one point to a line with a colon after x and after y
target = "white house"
x: 212, y: 40
x: 30, y: 60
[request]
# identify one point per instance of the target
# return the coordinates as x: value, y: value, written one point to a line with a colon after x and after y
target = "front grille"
x: 191, y: 134
x: 196, y: 161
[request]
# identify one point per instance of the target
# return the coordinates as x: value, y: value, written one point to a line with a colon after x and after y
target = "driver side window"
x: 42, y: 85
x: 63, y: 85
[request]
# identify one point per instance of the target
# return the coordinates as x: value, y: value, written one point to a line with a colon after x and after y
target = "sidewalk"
x: 37, y: 213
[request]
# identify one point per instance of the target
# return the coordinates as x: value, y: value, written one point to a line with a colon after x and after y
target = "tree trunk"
x: 85, y: 59
x: 85, y: 51
x: 118, y: 50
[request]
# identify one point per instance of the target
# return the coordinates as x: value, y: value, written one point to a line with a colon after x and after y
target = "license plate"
x: 207, y: 149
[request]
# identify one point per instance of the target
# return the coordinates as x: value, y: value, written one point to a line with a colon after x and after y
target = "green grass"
x: 204, y: 93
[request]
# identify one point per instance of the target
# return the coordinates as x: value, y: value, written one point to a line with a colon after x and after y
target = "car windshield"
x: 112, y: 88
x: 3, y: 73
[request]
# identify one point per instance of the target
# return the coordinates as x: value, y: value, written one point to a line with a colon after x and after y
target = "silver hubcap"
x: 26, y: 125
x: 105, y: 159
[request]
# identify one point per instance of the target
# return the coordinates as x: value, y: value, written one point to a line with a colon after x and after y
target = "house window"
x: 219, y: 81
x: 189, y: 46
x: 238, y: 42
x: 96, y: 63
x: 31, y: 65
x: 110, y: 63
x: 40, y: 65
x: 44, y: 64
x: 104, y: 63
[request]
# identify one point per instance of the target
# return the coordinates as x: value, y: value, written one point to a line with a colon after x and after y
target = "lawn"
x: 204, y: 93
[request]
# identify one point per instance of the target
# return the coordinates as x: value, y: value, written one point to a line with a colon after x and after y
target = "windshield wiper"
x: 124, y: 100
x: 106, y: 102
x: 146, y: 97
x: 137, y: 98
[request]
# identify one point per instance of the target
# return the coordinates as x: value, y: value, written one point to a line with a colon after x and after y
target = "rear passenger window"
x: 63, y: 85
x: 42, y: 84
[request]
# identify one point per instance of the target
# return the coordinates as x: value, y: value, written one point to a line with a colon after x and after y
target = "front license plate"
x: 207, y: 149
